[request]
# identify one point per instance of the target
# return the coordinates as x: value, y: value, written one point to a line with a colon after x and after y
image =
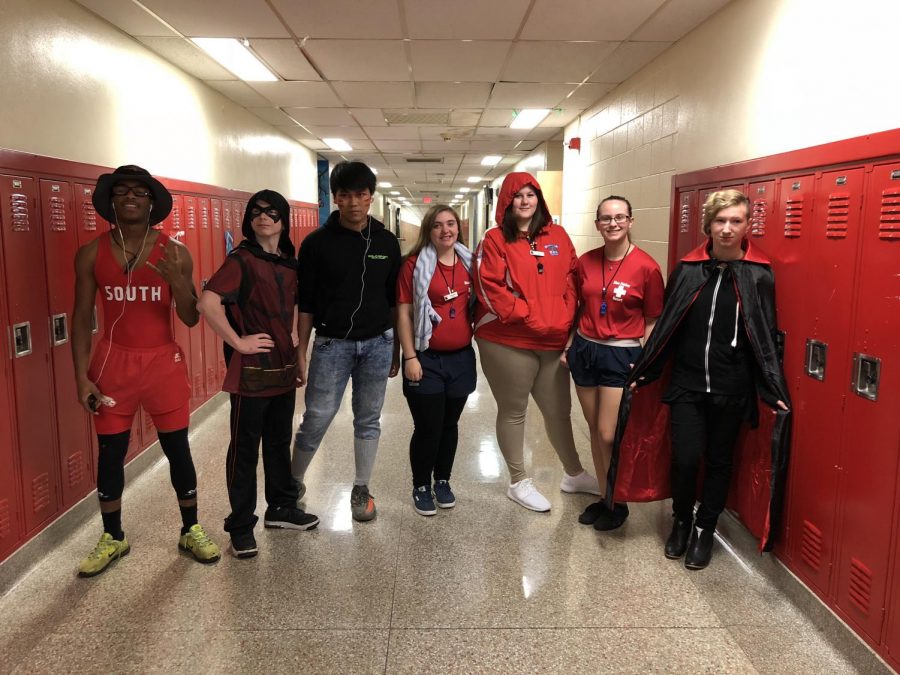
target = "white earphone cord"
x: 362, y: 276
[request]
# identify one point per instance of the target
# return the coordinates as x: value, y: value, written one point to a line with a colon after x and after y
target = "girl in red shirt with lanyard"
x: 620, y: 294
x: 435, y: 330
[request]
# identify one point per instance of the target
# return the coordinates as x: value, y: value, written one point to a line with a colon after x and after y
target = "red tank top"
x: 136, y: 314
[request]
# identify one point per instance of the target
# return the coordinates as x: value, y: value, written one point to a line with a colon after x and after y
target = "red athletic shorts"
x: 155, y: 378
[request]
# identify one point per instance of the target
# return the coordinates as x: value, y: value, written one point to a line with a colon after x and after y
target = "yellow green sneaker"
x: 197, y: 543
x: 106, y: 551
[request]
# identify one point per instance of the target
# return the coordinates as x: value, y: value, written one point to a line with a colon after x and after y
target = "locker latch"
x: 21, y: 339
x: 866, y: 374
x: 59, y: 329
x: 816, y: 355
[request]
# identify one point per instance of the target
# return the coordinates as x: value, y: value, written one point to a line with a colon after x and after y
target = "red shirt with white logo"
x: 137, y: 307
x: 634, y: 290
x: 453, y: 332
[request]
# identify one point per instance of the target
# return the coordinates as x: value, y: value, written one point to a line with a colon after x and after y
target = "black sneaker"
x: 592, y: 512
x: 290, y: 518
x: 362, y: 503
x: 243, y: 545
x: 611, y: 520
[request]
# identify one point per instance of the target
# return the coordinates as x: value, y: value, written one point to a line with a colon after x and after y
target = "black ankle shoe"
x: 592, y: 512
x: 611, y: 520
x: 677, y: 542
x: 700, y: 549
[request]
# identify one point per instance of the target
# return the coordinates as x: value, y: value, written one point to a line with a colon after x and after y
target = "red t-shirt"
x: 451, y: 333
x: 634, y: 290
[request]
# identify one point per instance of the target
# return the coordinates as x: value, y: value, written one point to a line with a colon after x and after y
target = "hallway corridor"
x: 484, y: 587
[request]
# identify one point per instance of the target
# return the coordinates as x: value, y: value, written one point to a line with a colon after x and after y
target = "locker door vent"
x: 860, y: 589
x: 5, y: 525
x: 217, y: 217
x: 889, y: 224
x: 811, y: 546
x: 758, y: 218
x: 684, y: 223
x: 88, y: 213
x: 18, y: 204
x: 40, y: 493
x: 793, y: 217
x: 75, y: 467
x: 838, y: 215
x: 176, y: 217
x: 57, y: 213
x: 191, y: 216
x: 204, y: 218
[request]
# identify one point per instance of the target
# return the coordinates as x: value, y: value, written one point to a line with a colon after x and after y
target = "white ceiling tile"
x: 273, y: 116
x: 555, y: 61
x: 532, y: 95
x: 219, y: 18
x: 321, y: 116
x: 587, y: 95
x: 187, y: 56
x: 285, y: 58
x: 497, y: 118
x: 314, y: 145
x: 299, y: 133
x: 369, y: 117
x: 677, y: 18
x: 493, y: 147
x: 501, y: 133
x: 457, y: 61
x: 129, y: 17
x: 300, y: 94
x: 542, y: 134
x: 465, y: 118
x: 398, y: 146
x: 445, y: 146
x: 587, y: 19
x: 375, y: 94
x: 561, y: 116
x: 452, y: 95
x: 371, y: 19
x: 625, y: 61
x: 361, y: 146
x: 360, y: 60
x: 347, y: 133
x: 465, y: 19
x: 240, y: 93
x: 398, y: 133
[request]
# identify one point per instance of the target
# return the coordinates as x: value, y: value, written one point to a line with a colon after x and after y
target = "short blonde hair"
x: 722, y: 199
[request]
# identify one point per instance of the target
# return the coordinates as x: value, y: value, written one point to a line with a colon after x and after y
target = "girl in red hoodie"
x: 524, y: 281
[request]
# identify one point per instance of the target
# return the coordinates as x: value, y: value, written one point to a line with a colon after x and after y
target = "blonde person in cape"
x: 435, y: 330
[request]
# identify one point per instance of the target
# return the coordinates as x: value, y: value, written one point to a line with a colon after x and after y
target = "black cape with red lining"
x: 641, y: 456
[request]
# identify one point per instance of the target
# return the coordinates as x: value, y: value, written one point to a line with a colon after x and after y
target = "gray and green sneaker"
x: 362, y: 503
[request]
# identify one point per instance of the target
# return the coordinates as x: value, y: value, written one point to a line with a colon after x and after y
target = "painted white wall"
x: 76, y: 88
x: 760, y: 77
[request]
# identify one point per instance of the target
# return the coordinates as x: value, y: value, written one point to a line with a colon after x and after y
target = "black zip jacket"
x: 347, y: 280
x: 754, y: 284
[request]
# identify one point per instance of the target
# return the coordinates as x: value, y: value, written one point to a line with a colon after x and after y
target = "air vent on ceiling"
x: 438, y: 181
x: 394, y: 117
x: 425, y: 160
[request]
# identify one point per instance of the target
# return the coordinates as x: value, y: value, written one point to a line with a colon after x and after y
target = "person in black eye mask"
x: 251, y: 303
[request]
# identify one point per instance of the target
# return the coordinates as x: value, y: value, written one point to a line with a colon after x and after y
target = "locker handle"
x: 59, y: 329
x: 21, y: 339
x: 866, y: 374
x: 816, y: 356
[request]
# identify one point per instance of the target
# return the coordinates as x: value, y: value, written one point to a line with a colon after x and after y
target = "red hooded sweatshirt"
x: 519, y: 306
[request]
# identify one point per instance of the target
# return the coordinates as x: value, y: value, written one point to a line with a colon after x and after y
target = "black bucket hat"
x: 102, y: 198
x: 277, y: 201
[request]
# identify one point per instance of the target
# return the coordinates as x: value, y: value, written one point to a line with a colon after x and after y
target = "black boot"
x: 610, y: 520
x: 677, y: 542
x: 700, y: 549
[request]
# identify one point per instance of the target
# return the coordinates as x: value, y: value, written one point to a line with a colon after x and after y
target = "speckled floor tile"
x: 680, y: 650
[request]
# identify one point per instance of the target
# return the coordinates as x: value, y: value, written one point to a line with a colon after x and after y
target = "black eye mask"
x: 270, y: 211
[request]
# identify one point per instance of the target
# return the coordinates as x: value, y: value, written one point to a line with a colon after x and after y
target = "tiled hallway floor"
x: 484, y: 587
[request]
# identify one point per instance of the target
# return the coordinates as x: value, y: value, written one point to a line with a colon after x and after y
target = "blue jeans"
x: 333, y: 362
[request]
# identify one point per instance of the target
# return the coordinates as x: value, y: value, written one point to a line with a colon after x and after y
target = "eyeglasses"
x: 619, y: 218
x: 137, y: 190
x: 273, y: 213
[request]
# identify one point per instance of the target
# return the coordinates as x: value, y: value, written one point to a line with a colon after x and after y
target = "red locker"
x: 30, y: 350
x: 892, y: 633
x: 688, y: 223
x: 871, y: 437
x: 148, y: 430
x: 218, y: 241
x: 207, y: 267
x: 702, y: 195
x: 72, y: 424
x: 237, y: 218
x: 192, y: 241
x: 136, y: 444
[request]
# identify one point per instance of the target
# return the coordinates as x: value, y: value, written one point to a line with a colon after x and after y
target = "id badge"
x: 538, y: 254
x: 451, y: 295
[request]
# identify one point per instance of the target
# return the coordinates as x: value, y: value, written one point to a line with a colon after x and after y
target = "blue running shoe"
x: 423, y: 501
x: 443, y: 495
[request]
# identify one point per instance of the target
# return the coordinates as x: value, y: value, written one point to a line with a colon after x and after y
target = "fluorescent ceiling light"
x: 395, y: 192
x: 473, y: 179
x: 385, y: 184
x: 534, y: 162
x: 457, y: 196
x: 491, y: 160
x: 235, y: 57
x: 338, y: 144
x: 529, y: 118
x: 465, y: 189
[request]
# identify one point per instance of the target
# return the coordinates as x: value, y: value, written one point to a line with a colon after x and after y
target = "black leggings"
x: 703, y: 432
x: 111, y: 464
x: 432, y: 447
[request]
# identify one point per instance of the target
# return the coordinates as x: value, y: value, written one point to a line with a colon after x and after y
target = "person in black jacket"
x: 718, y: 328
x: 347, y: 292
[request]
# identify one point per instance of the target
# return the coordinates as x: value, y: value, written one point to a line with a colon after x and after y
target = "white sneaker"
x: 527, y: 495
x: 583, y: 482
